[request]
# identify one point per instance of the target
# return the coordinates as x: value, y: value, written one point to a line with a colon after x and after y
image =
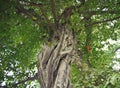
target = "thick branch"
x: 69, y: 11
x: 103, y: 21
x: 54, y: 11
x: 45, y: 16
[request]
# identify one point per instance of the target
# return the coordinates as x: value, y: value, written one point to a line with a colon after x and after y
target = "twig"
x: 35, y: 77
x: 28, y: 79
x: 116, y: 49
x: 99, y: 12
x: 103, y: 21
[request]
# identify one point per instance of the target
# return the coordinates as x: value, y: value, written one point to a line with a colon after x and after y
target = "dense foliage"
x: 22, y: 33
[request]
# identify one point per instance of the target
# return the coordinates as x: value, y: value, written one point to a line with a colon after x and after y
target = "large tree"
x: 64, y: 31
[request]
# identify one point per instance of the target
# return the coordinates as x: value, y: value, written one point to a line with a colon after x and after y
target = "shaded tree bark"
x: 54, y: 61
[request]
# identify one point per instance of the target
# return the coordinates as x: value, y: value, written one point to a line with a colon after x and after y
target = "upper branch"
x: 31, y: 3
x: 32, y: 13
x: 54, y: 11
x: 68, y: 11
x: 28, y: 79
x: 116, y: 49
x: 99, y: 12
x: 28, y: 12
x: 103, y: 21
x: 35, y: 77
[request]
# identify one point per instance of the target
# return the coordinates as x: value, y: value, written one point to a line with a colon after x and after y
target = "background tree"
x: 63, y: 30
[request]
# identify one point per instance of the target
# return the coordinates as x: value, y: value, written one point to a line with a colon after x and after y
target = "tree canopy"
x: 26, y: 24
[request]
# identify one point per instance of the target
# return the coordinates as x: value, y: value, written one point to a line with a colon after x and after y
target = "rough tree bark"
x: 54, y: 62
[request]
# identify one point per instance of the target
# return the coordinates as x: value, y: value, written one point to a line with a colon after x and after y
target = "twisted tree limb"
x: 54, y: 61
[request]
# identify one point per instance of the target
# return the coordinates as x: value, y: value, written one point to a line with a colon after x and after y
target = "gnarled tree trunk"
x: 54, y: 62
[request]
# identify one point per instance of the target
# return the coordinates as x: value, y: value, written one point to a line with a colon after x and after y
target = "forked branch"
x: 68, y: 11
x: 32, y: 13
